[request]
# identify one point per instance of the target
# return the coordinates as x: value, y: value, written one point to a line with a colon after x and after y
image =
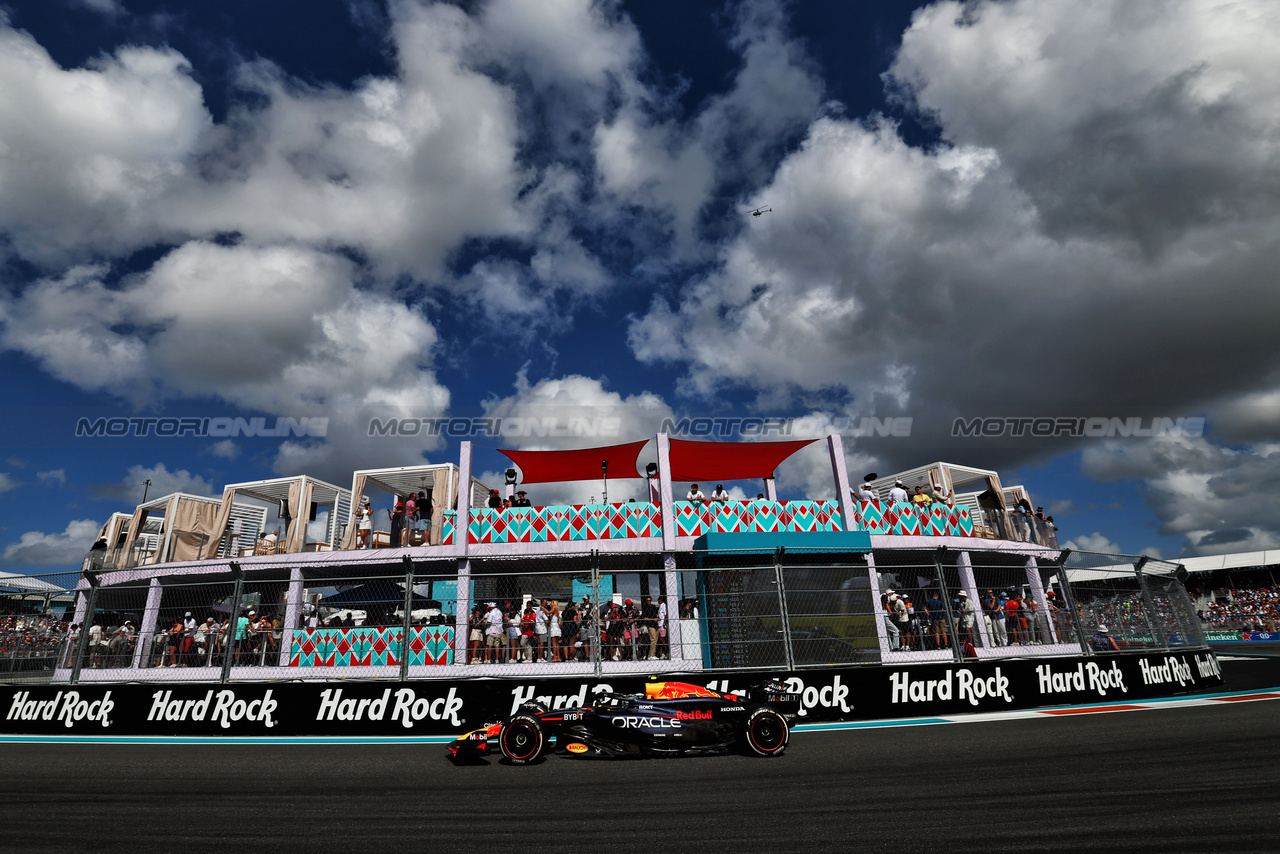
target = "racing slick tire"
x: 765, y: 733
x: 522, y: 739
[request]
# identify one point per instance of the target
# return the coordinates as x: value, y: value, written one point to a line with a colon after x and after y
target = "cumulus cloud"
x: 1087, y: 187
x: 66, y: 547
x: 677, y: 167
x: 226, y: 449
x: 130, y: 489
x: 1095, y: 542
x: 6, y: 483
x: 55, y: 477
x: 279, y: 329
x: 1219, y: 498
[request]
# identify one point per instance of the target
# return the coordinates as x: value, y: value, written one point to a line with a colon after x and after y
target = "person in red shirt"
x: 1013, y: 619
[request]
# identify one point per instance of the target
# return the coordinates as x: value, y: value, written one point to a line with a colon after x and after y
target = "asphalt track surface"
x: 1200, y: 778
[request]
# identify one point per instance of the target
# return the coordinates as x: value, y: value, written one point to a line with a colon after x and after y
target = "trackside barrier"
x: 451, y: 707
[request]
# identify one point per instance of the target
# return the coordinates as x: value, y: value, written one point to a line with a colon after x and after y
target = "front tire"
x: 522, y: 739
x: 765, y: 733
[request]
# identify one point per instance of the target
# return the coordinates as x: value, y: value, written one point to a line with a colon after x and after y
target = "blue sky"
x: 369, y: 210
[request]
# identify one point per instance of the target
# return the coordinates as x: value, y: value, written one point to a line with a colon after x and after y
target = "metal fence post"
x: 229, y: 649
x: 1148, y: 606
x: 1069, y: 597
x: 408, y: 618
x: 90, y: 604
x: 952, y: 635
x: 596, y: 617
x: 783, y: 615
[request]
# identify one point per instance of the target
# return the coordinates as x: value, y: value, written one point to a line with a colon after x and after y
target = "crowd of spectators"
x: 1243, y: 609
x: 30, y: 636
x: 1011, y: 618
x: 549, y: 630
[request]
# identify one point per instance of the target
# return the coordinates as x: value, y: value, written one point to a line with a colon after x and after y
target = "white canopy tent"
x: 439, y: 481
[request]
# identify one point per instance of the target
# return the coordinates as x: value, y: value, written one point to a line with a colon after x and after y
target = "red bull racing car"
x: 671, y: 719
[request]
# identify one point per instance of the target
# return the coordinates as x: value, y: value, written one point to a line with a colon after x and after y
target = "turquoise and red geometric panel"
x: 448, y: 524
x: 371, y: 646
x: 738, y: 517
x: 905, y: 519
x: 564, y: 523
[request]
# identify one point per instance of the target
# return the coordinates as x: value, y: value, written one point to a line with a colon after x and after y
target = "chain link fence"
x: 591, y: 613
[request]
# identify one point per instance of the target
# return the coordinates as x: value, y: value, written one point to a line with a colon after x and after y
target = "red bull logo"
x: 677, y: 691
x: 693, y: 716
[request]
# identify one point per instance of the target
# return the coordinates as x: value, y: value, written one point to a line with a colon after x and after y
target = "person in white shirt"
x: 495, y: 633
x: 719, y: 494
x: 695, y: 494
x: 365, y: 515
x: 864, y: 493
x: 898, y: 493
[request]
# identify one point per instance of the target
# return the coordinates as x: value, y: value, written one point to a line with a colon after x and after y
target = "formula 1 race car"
x: 671, y: 719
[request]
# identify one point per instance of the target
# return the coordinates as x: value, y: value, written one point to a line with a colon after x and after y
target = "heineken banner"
x: 449, y: 707
x: 1241, y: 637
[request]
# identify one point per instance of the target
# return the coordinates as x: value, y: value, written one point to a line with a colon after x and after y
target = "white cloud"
x: 55, y: 477
x: 675, y: 167
x: 1056, y: 244
x: 226, y: 449
x: 89, y: 153
x: 163, y: 482
x: 67, y: 547
x: 7, y: 483
x: 278, y: 329
x: 1220, y: 499
x: 1095, y: 542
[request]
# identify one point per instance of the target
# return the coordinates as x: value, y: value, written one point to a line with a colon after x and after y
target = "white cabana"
x: 298, y: 500
x: 439, y: 481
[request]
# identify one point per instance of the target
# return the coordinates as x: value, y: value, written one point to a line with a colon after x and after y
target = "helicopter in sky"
x: 760, y: 211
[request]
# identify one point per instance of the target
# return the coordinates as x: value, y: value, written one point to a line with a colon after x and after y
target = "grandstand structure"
x: 757, y: 584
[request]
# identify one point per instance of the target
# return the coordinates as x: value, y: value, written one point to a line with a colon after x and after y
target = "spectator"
x: 898, y: 494
x: 649, y: 626
x: 495, y: 500
x: 630, y: 630
x: 897, y: 609
x: 920, y: 499
x: 495, y: 633
x: 397, y: 523
x: 993, y: 611
x: 528, y: 650
x: 966, y: 618
x: 695, y: 495
x: 1014, y: 620
x: 718, y: 494
x: 410, y: 518
x: 569, y: 643
x: 864, y: 493
x: 937, y: 619
x: 587, y: 628
x: 512, y: 615
x: 554, y: 631
x: 1102, y: 641
x: 364, y: 518
x: 522, y: 499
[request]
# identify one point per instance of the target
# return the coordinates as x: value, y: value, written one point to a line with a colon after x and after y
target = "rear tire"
x: 765, y: 733
x: 522, y: 739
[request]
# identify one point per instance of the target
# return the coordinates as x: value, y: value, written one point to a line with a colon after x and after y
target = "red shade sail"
x: 581, y: 464
x: 729, y: 460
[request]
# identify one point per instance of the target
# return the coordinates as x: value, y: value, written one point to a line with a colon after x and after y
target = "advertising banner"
x: 1241, y: 637
x: 449, y: 707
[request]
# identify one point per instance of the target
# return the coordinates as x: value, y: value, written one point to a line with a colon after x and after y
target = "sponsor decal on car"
x: 577, y: 747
